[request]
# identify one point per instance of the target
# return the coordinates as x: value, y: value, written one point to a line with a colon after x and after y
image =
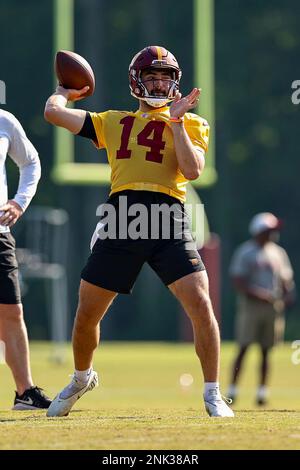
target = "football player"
x: 153, y: 153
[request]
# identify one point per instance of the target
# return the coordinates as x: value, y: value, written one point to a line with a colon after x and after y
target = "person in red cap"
x: 263, y: 278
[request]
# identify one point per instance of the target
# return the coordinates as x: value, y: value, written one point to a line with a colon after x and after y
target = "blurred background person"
x: 263, y: 278
x: 13, y: 332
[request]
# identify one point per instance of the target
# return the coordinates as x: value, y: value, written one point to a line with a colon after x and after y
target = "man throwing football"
x: 153, y: 153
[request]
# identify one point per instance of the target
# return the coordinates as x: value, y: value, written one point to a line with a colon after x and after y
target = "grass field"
x: 141, y: 404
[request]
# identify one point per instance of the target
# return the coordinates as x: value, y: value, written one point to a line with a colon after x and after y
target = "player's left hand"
x: 10, y: 213
x: 181, y: 105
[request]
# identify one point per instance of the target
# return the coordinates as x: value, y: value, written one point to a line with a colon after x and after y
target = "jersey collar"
x: 164, y: 110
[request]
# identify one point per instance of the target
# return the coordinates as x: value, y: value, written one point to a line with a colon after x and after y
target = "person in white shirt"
x: 13, y: 333
x: 263, y: 277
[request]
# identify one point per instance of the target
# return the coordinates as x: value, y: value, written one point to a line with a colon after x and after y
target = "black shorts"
x: 9, y: 279
x: 115, y: 262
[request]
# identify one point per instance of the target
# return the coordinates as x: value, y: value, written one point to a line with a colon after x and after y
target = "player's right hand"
x: 72, y: 94
x: 10, y: 213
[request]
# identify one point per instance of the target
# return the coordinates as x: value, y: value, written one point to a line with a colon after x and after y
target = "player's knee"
x: 88, y: 314
x: 201, y: 307
x: 84, y: 315
x: 12, y: 314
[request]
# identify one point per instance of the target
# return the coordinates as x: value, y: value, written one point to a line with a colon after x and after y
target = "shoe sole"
x: 92, y: 385
x: 21, y: 407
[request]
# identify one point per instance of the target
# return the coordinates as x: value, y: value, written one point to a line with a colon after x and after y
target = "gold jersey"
x: 140, y: 149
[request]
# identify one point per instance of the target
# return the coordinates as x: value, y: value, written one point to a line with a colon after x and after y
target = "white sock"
x: 83, y: 375
x: 232, y: 390
x: 211, y: 387
x: 262, y: 391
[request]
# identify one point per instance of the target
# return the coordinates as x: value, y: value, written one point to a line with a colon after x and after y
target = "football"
x: 73, y: 71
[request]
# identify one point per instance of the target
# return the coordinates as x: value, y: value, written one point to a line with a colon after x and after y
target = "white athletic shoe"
x: 63, y: 402
x: 216, y: 407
